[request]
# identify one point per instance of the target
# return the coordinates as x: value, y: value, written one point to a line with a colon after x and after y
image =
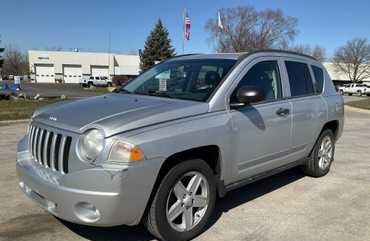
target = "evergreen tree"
x: 157, y: 46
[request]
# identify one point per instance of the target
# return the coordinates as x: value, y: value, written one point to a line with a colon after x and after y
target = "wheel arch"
x: 332, y: 125
x: 210, y: 154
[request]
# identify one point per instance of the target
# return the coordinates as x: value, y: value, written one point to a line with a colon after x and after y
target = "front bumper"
x: 98, y: 196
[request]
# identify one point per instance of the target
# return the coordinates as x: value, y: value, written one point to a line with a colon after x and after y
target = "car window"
x: 300, y: 79
x: 192, y: 79
x: 96, y: 78
x: 319, y: 78
x: 264, y: 75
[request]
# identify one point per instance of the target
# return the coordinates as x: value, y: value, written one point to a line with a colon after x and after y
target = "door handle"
x: 283, y: 112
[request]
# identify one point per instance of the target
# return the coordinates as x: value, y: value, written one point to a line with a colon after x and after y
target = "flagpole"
x: 183, y: 31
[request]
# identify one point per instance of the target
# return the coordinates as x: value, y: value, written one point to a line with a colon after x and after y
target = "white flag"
x: 220, y: 21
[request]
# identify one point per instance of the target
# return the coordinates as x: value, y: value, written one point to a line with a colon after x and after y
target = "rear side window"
x: 319, y: 77
x: 300, y: 80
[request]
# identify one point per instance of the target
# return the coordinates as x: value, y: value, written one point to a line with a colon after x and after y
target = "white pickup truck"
x: 359, y: 89
x: 96, y: 81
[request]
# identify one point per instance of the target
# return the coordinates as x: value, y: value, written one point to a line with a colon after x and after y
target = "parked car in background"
x: 96, y: 81
x: 8, y: 90
x: 172, y: 140
x: 351, y: 89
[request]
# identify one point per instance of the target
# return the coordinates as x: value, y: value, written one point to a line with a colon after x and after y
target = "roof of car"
x: 238, y: 56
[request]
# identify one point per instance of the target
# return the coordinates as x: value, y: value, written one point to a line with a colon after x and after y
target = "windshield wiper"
x: 159, y: 93
x: 153, y: 93
x: 122, y: 90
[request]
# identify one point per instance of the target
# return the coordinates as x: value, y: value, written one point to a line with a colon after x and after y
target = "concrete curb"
x: 351, y: 108
x: 9, y: 122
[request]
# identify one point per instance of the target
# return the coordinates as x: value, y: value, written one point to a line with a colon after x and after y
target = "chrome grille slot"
x: 50, y: 149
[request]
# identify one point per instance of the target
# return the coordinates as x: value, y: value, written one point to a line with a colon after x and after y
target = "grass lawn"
x: 364, y: 104
x: 21, y: 109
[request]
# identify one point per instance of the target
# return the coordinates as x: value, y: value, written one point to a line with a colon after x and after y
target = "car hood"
x: 116, y: 113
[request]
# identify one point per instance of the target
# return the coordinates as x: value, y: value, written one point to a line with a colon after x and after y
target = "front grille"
x: 49, y: 148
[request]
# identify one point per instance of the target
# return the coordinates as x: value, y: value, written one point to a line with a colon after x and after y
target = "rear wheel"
x: 183, y: 202
x: 322, y: 155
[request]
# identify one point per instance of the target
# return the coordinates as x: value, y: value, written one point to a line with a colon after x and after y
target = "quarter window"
x: 264, y: 75
x: 319, y: 78
x: 300, y: 79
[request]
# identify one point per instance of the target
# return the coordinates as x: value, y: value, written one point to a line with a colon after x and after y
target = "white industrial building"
x: 70, y: 67
x: 339, y: 76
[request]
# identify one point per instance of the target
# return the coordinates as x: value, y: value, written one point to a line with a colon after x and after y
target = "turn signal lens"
x: 125, y: 152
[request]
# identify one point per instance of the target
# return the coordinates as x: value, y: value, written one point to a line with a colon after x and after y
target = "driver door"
x: 261, y: 131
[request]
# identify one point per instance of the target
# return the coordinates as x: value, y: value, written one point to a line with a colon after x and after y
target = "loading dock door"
x: 45, y: 74
x: 100, y: 71
x: 72, y: 74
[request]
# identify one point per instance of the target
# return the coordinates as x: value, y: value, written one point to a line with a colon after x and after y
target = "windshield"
x: 182, y: 79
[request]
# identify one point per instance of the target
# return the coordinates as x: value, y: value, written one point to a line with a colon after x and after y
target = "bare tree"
x: 15, y: 62
x: 353, y: 59
x: 317, y: 52
x: 246, y: 29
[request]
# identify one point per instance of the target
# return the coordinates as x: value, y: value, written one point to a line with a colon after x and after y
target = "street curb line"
x: 351, y: 108
x: 9, y: 122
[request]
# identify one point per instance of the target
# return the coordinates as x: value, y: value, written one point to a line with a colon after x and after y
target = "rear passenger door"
x: 308, y: 106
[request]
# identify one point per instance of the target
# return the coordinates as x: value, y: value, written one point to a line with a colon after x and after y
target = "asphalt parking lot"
x: 285, y: 207
x: 56, y: 90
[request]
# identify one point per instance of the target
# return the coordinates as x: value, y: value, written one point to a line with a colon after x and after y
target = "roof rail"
x: 181, y: 55
x: 279, y: 51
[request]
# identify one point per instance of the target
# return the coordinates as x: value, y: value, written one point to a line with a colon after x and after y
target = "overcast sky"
x: 86, y: 24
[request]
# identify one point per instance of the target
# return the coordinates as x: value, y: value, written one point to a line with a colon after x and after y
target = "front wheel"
x: 183, y: 202
x: 322, y: 156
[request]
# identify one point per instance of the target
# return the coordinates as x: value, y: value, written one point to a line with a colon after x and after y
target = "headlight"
x: 91, y: 144
x: 125, y: 152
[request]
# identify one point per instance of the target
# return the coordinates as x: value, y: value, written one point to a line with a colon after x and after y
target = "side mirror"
x: 248, y: 94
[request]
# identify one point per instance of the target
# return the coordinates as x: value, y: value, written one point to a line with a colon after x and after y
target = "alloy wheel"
x: 188, y: 201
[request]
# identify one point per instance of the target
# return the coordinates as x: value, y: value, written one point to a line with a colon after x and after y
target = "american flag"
x: 187, y: 27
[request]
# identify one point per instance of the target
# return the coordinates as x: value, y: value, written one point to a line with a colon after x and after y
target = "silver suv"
x: 164, y: 147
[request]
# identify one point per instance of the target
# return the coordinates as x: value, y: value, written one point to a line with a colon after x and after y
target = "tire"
x: 359, y: 92
x: 109, y: 84
x: 157, y: 219
x: 89, y: 84
x: 350, y: 94
x: 315, y: 165
x: 341, y: 92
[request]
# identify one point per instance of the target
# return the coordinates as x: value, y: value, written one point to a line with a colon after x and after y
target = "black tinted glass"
x: 319, y: 77
x: 300, y: 80
x: 264, y: 75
